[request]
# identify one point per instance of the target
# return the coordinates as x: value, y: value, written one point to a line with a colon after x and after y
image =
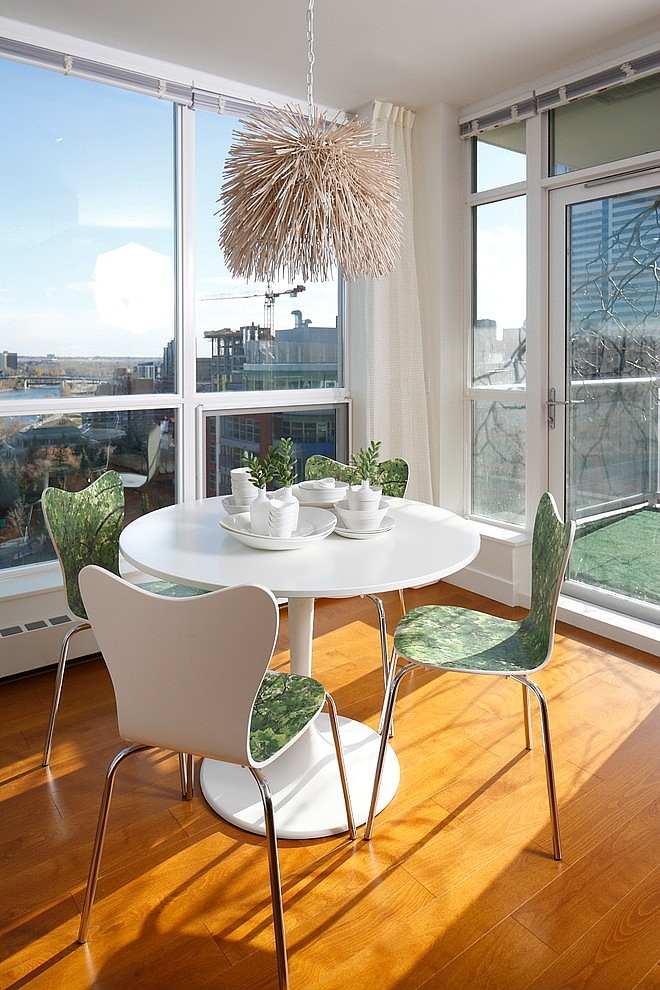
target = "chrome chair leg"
x: 391, y: 669
x: 382, y: 629
x: 101, y: 826
x: 386, y: 722
x: 275, y: 882
x: 549, y: 764
x: 334, y: 725
x: 527, y: 715
x: 57, y: 694
x: 187, y: 775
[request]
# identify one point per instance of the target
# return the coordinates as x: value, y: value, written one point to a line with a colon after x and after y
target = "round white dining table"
x: 186, y: 544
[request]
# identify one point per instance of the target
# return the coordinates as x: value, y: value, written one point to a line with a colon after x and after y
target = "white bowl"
x: 363, y: 497
x: 360, y: 520
x: 309, y: 494
x: 232, y: 506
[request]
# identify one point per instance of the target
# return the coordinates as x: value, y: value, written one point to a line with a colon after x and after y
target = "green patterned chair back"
x: 392, y: 474
x: 551, y: 546
x: 84, y: 528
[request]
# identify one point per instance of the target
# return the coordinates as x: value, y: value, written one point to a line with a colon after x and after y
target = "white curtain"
x: 387, y: 365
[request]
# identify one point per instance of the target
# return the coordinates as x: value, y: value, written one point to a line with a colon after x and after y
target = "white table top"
x: 185, y: 543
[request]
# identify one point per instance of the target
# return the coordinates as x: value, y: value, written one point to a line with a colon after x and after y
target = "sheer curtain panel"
x: 387, y: 365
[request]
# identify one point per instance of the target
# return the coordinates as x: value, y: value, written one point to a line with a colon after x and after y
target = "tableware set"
x: 314, y: 524
x: 363, y: 513
x: 280, y: 520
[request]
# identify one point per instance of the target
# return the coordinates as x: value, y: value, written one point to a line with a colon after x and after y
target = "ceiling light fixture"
x: 303, y: 195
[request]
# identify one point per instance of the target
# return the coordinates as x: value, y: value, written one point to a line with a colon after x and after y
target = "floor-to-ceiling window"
x: 121, y: 331
x: 497, y: 373
x: 589, y: 417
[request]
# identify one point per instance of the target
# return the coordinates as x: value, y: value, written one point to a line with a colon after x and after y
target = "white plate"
x: 386, y: 526
x: 313, y: 525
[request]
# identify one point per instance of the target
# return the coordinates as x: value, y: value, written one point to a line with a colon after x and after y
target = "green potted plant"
x: 365, y: 463
x: 260, y: 469
x: 284, y: 463
x: 277, y: 463
x: 260, y: 473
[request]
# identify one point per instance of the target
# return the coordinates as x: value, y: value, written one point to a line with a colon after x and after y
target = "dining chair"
x: 192, y: 675
x: 138, y: 481
x: 393, y: 479
x: 445, y: 637
x: 84, y: 528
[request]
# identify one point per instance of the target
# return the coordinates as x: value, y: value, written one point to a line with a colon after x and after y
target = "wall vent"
x: 56, y: 620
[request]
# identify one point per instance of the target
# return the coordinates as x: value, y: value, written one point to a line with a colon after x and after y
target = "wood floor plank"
x: 617, y: 951
x: 505, y: 958
x: 592, y: 886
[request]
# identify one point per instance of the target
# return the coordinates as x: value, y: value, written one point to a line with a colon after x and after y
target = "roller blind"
x: 164, y: 89
x: 540, y: 102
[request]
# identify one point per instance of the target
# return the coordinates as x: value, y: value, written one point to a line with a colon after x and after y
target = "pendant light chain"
x: 310, y: 61
x: 303, y: 195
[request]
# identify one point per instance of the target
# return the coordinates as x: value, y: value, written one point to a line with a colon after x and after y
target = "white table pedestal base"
x: 305, y: 784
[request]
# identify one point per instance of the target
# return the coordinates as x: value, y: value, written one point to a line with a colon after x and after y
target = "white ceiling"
x: 412, y: 52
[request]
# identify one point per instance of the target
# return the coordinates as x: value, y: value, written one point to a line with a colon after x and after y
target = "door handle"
x: 553, y: 402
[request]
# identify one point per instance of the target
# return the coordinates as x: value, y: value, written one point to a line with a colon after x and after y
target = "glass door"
x: 603, y: 400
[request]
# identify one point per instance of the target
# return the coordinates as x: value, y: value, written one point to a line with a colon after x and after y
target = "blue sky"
x: 86, y: 206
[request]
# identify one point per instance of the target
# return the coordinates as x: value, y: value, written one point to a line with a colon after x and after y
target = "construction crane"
x: 269, y: 298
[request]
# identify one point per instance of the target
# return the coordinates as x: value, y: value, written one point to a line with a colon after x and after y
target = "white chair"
x: 138, y: 482
x: 191, y: 675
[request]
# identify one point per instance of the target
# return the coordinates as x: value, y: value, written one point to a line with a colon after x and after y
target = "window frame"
x: 189, y: 406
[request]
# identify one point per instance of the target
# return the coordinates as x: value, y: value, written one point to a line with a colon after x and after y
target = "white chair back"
x: 185, y: 671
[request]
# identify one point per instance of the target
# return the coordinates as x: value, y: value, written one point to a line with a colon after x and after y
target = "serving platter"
x: 314, y: 524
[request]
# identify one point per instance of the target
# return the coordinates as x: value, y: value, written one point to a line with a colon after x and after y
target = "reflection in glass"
x: 498, y: 461
x: 499, y: 335
x: 612, y: 463
x: 500, y: 157
x: 69, y: 451
x: 618, y: 123
x: 319, y: 430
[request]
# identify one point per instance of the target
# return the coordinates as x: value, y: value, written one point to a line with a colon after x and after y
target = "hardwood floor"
x: 457, y: 889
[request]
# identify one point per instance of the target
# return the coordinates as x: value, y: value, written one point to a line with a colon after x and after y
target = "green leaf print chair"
x: 84, y: 528
x: 443, y: 637
x: 393, y: 479
x: 222, y: 703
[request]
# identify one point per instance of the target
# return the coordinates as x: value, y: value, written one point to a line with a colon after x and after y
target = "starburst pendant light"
x: 303, y: 195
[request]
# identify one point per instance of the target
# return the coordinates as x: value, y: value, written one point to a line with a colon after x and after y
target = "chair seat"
x: 453, y: 638
x: 132, y: 480
x: 283, y: 708
x: 168, y: 589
